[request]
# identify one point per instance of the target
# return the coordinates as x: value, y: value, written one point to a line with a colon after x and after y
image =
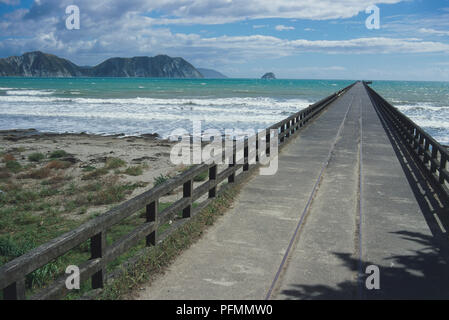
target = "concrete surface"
x: 366, y: 210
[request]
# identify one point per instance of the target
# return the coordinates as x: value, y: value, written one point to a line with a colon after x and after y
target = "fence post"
x: 420, y: 144
x: 442, y: 167
x: 433, y: 168
x: 257, y: 147
x: 212, y: 178
x: 151, y: 215
x: 187, y: 189
x: 246, y: 155
x: 267, y: 142
x: 15, y: 291
x: 426, y: 149
x: 282, y: 132
x: 231, y: 178
x: 97, y: 250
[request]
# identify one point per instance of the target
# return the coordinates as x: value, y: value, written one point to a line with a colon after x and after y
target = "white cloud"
x: 433, y: 31
x: 283, y: 28
x: 210, y: 11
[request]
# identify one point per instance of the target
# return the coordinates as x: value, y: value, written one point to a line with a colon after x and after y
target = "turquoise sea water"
x: 138, y: 105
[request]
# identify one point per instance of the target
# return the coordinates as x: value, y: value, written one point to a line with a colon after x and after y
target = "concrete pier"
x: 346, y: 196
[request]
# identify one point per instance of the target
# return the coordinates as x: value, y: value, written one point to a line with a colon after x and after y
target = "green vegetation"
x: 58, y: 154
x: 13, y: 166
x: 114, y: 163
x: 95, y: 174
x: 33, y: 212
x: 134, y: 171
x: 160, y: 179
x: 89, y: 168
x: 36, y: 157
x: 201, y: 177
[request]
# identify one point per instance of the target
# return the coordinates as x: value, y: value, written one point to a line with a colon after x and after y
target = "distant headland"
x: 40, y: 64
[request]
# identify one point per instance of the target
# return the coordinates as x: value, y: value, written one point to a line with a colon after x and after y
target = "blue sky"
x: 243, y: 38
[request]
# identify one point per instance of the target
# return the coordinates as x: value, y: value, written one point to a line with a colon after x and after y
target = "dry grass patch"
x: 95, y: 174
x: 58, y: 164
x: 8, y: 157
x: 37, y: 174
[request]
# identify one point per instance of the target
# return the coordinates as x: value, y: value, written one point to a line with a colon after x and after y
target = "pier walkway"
x: 346, y: 196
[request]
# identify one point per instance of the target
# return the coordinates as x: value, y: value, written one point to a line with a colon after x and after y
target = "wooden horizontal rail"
x: 13, y: 273
x: 431, y: 155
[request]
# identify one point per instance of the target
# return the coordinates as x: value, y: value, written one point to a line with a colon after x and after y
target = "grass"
x: 95, y: 174
x: 30, y: 217
x: 8, y: 157
x: 4, y: 174
x: 13, y: 166
x: 201, y: 177
x: 36, y: 157
x: 38, y: 174
x: 58, y: 154
x: 160, y: 179
x: 134, y: 171
x: 58, y: 164
x: 114, y: 163
x: 34, y: 212
x: 89, y: 169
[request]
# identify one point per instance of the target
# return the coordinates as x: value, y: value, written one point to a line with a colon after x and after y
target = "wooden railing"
x: 431, y: 155
x: 13, y: 273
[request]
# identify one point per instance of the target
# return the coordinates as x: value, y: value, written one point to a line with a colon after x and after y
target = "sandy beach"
x: 83, y: 155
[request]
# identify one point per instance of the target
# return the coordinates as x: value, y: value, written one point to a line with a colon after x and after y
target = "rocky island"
x: 269, y: 75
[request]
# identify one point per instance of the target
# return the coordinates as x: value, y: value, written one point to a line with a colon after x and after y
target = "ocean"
x: 135, y: 106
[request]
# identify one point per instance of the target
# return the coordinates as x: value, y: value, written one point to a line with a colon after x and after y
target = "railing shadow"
x: 420, y: 274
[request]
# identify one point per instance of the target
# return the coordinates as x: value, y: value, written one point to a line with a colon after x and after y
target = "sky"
x: 296, y: 39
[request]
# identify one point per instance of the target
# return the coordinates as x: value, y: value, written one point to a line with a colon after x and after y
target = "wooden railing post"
x: 282, y: 132
x: 151, y: 215
x: 231, y: 178
x: 15, y: 291
x: 267, y: 142
x: 442, y: 167
x: 288, y: 129
x: 426, y: 150
x: 257, y: 147
x: 246, y: 156
x: 212, y: 178
x: 433, y: 167
x: 187, y: 189
x: 98, y: 249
